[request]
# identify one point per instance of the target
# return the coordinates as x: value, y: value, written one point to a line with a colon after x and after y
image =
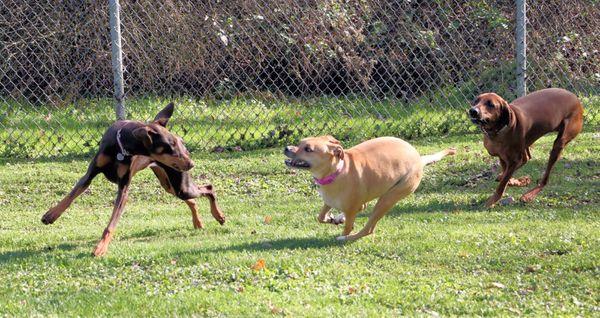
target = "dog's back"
x: 548, y: 108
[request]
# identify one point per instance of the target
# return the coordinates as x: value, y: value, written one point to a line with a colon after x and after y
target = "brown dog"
x: 510, y: 129
x: 386, y: 168
x: 128, y: 147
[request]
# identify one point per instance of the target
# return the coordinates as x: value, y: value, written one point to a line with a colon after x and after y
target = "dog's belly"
x: 348, y: 198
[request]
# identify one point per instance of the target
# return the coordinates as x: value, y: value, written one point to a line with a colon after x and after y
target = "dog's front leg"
x: 122, y: 194
x: 324, y: 216
x: 511, y: 167
x: 209, y: 192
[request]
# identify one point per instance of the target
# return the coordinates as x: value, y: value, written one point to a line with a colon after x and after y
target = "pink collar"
x: 330, y: 178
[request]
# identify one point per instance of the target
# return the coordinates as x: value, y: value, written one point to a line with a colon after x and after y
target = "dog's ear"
x: 504, y: 113
x: 144, y: 134
x: 162, y: 118
x: 338, y: 151
x: 332, y: 140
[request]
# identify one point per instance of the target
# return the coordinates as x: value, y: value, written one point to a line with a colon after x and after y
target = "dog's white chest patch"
x: 332, y: 202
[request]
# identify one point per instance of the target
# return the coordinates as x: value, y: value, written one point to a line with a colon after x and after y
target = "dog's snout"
x: 288, y: 149
x: 190, y: 165
x: 474, y: 112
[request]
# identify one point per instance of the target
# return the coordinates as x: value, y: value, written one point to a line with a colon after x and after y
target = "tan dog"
x: 387, y: 168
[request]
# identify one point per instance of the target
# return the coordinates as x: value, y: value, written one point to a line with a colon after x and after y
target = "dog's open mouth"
x: 297, y: 163
x: 478, y: 121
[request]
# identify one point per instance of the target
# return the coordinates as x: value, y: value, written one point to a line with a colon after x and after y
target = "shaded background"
x: 262, y: 73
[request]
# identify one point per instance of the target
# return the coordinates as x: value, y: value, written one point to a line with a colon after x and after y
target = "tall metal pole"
x: 117, y: 57
x: 521, y: 47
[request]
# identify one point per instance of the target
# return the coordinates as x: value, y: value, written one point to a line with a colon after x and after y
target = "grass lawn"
x: 438, y: 251
x: 252, y: 122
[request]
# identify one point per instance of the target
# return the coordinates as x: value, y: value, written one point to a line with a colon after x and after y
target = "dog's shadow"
x: 16, y: 255
x: 294, y: 243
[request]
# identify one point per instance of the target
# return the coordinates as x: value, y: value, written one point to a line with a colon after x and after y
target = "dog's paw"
x: 519, y: 182
x: 341, y: 238
x: 100, y: 250
x: 491, y: 201
x: 48, y: 218
x: 198, y: 224
x: 324, y: 219
x: 529, y: 196
x: 339, y: 219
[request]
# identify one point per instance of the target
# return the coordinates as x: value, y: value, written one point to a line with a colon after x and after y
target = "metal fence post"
x: 521, y: 47
x: 117, y: 57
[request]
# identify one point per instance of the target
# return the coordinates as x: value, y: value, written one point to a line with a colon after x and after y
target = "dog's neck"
x: 330, y: 176
x: 122, y: 150
x: 125, y: 146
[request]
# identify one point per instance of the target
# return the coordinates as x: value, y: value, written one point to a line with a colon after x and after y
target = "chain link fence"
x: 259, y: 73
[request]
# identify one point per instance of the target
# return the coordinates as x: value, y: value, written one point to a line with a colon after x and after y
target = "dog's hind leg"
x: 383, y: 205
x: 93, y: 169
x: 569, y: 131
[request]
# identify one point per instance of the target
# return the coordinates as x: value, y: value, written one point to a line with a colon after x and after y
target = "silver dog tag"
x: 120, y: 156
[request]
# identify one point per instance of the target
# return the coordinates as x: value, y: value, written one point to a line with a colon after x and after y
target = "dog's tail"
x: 437, y: 156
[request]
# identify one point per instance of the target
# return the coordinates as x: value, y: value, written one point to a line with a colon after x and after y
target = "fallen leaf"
x: 431, y: 313
x: 173, y: 261
x: 259, y: 265
x: 274, y: 309
x: 533, y: 268
x: 497, y: 285
x: 524, y: 292
x: 514, y: 311
x: 268, y: 219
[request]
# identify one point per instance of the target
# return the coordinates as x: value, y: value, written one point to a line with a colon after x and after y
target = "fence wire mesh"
x: 260, y: 73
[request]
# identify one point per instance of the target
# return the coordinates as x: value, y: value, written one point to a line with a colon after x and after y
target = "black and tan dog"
x: 128, y: 147
x: 511, y: 128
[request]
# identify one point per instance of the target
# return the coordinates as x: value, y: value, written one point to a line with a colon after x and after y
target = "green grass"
x: 256, y: 122
x: 437, y: 251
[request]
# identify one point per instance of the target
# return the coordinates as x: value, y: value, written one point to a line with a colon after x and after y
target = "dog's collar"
x: 496, y: 133
x: 504, y: 128
x: 330, y: 178
x: 122, y: 152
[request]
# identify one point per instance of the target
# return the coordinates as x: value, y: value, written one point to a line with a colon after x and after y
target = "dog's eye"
x: 307, y: 149
x: 166, y: 149
x: 489, y: 104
